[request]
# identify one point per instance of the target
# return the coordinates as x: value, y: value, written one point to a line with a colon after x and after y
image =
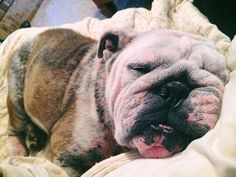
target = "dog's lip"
x: 141, y: 126
x: 153, y: 150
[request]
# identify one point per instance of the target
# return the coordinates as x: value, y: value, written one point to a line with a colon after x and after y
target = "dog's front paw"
x: 35, y: 139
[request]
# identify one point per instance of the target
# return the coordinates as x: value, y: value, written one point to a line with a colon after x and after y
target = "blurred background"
x: 15, y: 14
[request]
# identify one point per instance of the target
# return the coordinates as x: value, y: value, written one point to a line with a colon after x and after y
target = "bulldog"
x: 154, y: 92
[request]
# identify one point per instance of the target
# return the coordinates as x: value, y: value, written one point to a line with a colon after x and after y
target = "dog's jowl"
x: 86, y: 100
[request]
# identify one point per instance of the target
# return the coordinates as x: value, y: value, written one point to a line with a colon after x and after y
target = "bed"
x: 212, y: 155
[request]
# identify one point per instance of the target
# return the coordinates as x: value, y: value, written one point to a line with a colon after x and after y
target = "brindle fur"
x: 46, y: 77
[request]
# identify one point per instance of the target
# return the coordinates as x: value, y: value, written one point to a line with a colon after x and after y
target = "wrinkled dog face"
x: 164, y: 90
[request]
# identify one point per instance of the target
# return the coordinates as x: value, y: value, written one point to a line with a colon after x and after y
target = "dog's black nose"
x: 174, y: 92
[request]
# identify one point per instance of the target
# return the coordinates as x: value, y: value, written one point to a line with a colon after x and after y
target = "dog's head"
x: 163, y: 88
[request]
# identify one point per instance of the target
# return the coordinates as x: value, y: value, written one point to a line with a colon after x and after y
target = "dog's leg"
x: 24, y: 136
x: 70, y: 150
x: 16, y: 125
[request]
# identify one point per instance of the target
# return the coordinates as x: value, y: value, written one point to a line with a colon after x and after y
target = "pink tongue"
x: 154, y: 150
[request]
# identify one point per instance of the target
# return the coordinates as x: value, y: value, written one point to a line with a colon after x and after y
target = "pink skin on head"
x: 184, y: 43
x: 203, y: 100
x: 212, y: 80
x: 205, y: 104
x: 128, y: 122
x: 202, y: 119
x: 205, y: 111
x: 127, y: 119
x: 116, y: 82
x: 131, y: 101
x: 154, y: 150
x: 147, y: 51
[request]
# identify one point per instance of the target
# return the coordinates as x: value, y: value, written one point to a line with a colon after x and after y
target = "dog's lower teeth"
x: 155, y: 127
x: 162, y: 128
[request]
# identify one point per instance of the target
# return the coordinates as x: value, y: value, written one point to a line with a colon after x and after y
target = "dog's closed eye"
x: 140, y: 68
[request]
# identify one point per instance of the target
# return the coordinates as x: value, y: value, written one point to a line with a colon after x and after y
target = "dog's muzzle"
x: 168, y: 117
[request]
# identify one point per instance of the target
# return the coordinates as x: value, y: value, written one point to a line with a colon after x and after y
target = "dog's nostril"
x: 164, y: 92
x: 177, y: 89
x: 174, y: 92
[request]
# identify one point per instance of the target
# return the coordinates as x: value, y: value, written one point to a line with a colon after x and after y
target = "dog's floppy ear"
x: 113, y: 41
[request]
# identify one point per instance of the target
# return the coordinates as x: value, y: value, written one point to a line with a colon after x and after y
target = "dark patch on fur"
x: 35, y: 138
x: 16, y: 75
x: 78, y: 76
x: 81, y: 162
x: 69, y: 60
x: 100, y: 94
x: 149, y: 135
x: 175, y: 138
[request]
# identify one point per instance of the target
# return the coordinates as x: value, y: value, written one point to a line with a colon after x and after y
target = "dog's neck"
x: 101, y: 74
x: 102, y: 108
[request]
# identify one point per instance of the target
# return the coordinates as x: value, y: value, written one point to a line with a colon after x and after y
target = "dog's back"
x: 38, y: 77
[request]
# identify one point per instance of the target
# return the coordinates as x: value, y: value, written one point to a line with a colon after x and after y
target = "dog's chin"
x: 154, y: 150
x: 159, y: 141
